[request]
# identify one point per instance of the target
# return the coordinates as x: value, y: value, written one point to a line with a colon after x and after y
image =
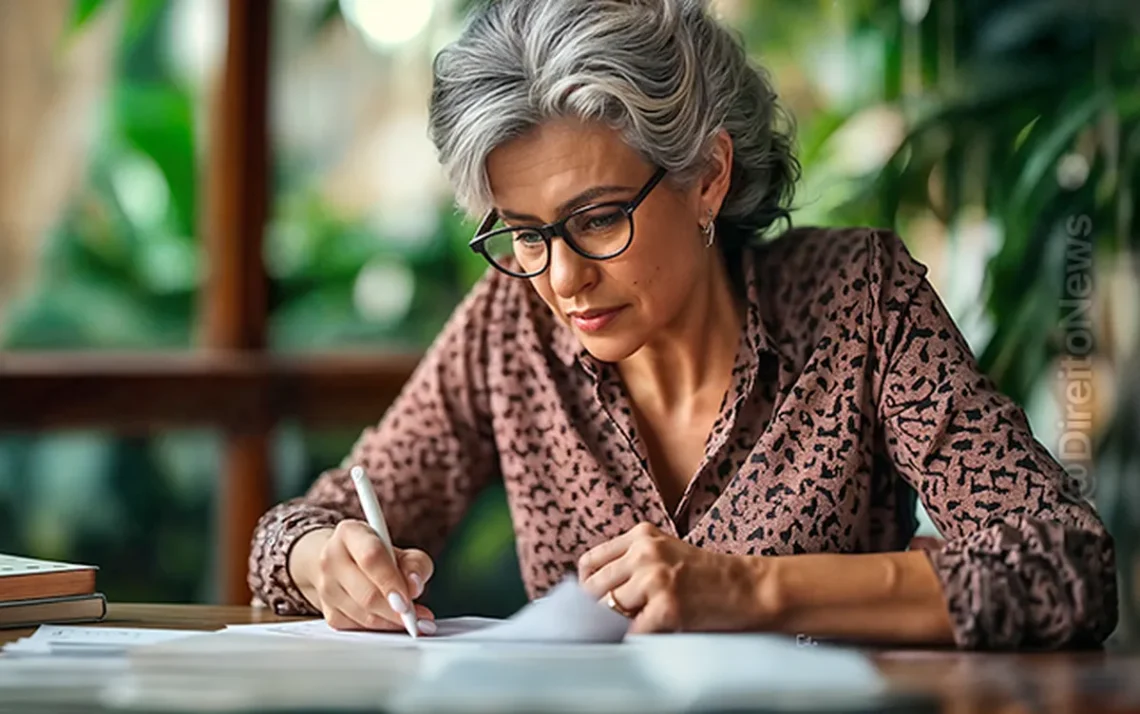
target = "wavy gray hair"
x: 664, y: 73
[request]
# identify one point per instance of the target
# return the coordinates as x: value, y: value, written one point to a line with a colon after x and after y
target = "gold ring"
x: 613, y: 604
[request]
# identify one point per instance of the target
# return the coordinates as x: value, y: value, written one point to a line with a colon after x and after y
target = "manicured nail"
x: 398, y: 604
x: 417, y: 585
x: 427, y: 627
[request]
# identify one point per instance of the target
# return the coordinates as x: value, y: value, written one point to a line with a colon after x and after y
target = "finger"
x: 357, y: 614
x: 609, y: 576
x: 365, y: 597
x: 593, y: 559
x: 360, y: 618
x: 417, y: 568
x: 373, y: 558
x: 659, y: 614
x: 337, y: 620
x: 631, y: 595
x: 342, y: 578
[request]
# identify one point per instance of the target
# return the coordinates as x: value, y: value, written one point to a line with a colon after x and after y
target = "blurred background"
x: 999, y: 138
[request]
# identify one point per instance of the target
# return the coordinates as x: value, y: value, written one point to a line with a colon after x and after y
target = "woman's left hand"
x: 667, y: 585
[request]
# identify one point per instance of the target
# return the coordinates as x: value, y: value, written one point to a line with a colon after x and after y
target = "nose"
x: 569, y: 272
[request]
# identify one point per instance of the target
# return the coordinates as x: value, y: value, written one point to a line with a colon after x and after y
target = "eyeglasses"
x: 598, y: 231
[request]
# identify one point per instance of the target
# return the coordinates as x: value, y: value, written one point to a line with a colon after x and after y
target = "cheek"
x: 659, y: 286
x: 542, y: 287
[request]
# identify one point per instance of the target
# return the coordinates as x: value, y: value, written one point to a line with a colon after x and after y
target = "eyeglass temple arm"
x: 647, y: 188
x: 487, y: 224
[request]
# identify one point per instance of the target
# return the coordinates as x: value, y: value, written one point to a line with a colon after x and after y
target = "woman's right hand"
x: 355, y: 584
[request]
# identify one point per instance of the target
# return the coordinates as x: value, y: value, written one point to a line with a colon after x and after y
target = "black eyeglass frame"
x: 558, y: 228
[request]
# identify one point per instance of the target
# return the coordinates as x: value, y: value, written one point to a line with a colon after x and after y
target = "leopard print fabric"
x: 853, y: 394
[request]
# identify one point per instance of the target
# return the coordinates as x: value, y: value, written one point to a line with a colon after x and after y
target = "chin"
x: 609, y: 348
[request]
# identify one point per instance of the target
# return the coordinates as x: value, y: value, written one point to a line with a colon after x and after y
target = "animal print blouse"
x: 853, y: 392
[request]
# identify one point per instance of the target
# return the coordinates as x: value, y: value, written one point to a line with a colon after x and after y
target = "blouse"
x: 853, y: 393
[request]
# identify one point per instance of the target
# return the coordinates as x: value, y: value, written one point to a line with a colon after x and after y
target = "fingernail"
x: 397, y: 602
x: 417, y: 585
x: 427, y: 627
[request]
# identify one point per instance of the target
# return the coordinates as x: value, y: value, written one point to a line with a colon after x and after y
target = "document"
x: 565, y: 653
x: 567, y: 615
x: 449, y: 629
x: 90, y: 641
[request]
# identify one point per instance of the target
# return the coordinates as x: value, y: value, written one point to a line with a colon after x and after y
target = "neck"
x: 692, y: 357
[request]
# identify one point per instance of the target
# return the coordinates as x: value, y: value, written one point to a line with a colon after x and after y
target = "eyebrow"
x: 580, y: 200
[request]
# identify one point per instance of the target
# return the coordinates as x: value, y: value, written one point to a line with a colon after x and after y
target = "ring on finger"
x: 613, y: 604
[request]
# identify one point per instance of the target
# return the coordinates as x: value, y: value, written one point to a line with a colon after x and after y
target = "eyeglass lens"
x: 598, y: 232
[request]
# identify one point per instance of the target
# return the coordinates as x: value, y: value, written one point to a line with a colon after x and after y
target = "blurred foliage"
x: 122, y: 269
x: 1030, y: 81
x: 993, y: 94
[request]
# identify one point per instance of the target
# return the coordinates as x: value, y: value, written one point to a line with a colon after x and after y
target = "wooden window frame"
x: 232, y: 383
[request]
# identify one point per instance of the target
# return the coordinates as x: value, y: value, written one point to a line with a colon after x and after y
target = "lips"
x: 594, y: 319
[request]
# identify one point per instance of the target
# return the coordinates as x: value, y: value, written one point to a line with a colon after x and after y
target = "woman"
x: 715, y: 433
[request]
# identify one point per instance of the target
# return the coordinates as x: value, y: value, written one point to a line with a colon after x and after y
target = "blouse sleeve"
x: 1027, y: 562
x: 429, y: 456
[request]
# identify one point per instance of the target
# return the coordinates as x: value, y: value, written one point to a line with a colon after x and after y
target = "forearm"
x: 880, y: 597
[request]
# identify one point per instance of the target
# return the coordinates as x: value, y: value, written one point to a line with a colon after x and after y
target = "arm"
x: 428, y: 458
x: 1027, y: 562
x: 884, y: 598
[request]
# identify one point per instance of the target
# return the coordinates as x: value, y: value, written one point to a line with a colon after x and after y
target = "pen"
x: 376, y: 520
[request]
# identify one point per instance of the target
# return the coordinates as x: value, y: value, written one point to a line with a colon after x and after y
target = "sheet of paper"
x: 11, y: 565
x: 667, y: 674
x: 660, y: 673
x: 449, y: 628
x: 568, y: 614
x: 704, y: 665
x: 78, y: 641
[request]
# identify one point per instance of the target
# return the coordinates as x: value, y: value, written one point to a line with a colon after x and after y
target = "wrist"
x: 305, y: 557
x: 766, y: 602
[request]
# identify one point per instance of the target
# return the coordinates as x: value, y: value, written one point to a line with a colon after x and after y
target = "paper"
x: 660, y: 673
x: 513, y: 677
x: 12, y: 565
x: 95, y: 641
x: 568, y: 614
x: 449, y: 628
x: 704, y: 664
x: 667, y: 674
x: 564, y: 653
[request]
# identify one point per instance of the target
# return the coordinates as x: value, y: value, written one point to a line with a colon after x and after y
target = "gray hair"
x: 664, y: 73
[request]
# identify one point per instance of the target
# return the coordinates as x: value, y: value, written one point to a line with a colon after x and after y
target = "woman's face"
x: 614, y: 306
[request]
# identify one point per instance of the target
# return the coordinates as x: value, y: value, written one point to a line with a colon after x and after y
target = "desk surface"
x: 966, y: 682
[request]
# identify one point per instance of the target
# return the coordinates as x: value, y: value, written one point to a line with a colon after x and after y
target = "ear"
x: 717, y: 176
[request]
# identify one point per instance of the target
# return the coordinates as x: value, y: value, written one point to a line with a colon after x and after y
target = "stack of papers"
x: 564, y: 653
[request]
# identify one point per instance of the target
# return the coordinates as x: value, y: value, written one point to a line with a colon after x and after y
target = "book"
x: 31, y: 579
x: 56, y: 610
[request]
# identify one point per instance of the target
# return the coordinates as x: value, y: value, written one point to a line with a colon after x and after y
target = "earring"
x: 709, y: 230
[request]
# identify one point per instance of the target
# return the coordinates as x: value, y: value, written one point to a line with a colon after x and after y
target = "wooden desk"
x: 966, y: 682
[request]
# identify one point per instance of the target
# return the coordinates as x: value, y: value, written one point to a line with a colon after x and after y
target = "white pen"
x: 375, y: 518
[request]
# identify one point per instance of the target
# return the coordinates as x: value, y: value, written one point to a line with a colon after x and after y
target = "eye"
x: 602, y: 221
x: 528, y: 238
x: 597, y: 220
